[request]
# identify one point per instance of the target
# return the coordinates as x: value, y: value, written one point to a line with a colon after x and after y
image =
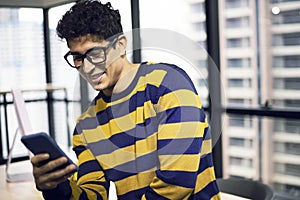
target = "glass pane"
x: 266, y: 53
x: 64, y: 79
x: 21, y: 33
x: 259, y: 43
x: 176, y: 34
x: 266, y: 149
x: 23, y: 67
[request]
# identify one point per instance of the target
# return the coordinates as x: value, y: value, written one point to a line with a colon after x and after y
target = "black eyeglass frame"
x: 85, y: 55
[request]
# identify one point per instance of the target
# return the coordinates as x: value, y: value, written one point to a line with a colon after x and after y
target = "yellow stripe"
x: 216, y: 197
x: 76, y: 191
x: 88, y: 113
x: 143, y: 197
x: 99, y: 188
x: 77, y: 140
x: 182, y: 130
x: 101, y: 105
x: 186, y: 162
x: 99, y: 175
x: 170, y: 191
x: 85, y: 156
x: 135, y: 182
x: 129, y: 153
x: 177, y: 98
x: 154, y: 78
x: 118, y: 125
x: 204, y: 178
x: 206, y: 147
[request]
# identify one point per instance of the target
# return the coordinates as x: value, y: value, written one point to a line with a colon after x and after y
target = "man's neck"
x: 126, y: 79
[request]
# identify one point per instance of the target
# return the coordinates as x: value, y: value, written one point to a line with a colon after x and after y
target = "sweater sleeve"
x: 88, y: 183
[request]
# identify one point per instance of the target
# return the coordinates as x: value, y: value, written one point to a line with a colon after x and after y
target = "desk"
x: 18, y: 190
x: 226, y: 196
x: 26, y: 189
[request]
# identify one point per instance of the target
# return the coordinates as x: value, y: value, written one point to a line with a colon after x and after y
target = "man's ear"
x: 122, y: 44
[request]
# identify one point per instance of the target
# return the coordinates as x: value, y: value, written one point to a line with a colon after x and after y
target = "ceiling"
x: 33, y: 3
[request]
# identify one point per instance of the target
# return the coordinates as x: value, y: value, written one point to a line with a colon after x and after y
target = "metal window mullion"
x: 47, y: 49
x: 136, y: 37
x: 213, y: 46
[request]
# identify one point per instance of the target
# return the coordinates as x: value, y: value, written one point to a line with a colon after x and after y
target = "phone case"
x: 41, y: 142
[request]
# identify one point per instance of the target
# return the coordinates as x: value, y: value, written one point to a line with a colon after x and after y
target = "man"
x: 145, y: 130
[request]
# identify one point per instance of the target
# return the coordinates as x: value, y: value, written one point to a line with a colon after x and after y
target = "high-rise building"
x: 260, y: 64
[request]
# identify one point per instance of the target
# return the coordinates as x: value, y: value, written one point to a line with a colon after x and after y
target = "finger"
x: 57, y: 176
x: 37, y: 159
x: 41, y: 170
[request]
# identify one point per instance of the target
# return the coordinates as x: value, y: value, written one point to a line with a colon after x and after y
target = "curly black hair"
x: 90, y: 17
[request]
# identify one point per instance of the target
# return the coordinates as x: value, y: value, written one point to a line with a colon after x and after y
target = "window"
x: 237, y: 83
x: 21, y: 39
x: 178, y: 36
x: 282, y: 1
x: 240, y: 121
x: 235, y: 161
x: 239, y: 22
x: 236, y: 3
x: 286, y: 39
x: 287, y: 83
x: 287, y: 17
x: 291, y: 61
x: 239, y: 62
x: 238, y: 42
x: 199, y: 26
x: 197, y: 7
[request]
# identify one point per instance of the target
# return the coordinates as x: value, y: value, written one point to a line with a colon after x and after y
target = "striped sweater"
x: 151, y: 140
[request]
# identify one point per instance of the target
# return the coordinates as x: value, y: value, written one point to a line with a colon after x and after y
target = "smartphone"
x: 41, y: 142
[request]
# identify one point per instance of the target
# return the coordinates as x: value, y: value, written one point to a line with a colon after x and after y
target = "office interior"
x: 242, y: 55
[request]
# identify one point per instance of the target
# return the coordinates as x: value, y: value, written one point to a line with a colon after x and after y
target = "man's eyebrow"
x: 75, y: 53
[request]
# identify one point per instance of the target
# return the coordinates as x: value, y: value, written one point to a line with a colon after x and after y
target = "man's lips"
x: 97, y: 78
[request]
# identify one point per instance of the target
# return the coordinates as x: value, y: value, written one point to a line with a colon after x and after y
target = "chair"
x: 250, y: 189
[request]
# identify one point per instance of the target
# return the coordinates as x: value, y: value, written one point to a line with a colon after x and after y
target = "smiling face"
x: 102, y: 76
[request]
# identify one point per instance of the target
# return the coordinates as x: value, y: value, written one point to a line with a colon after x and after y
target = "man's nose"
x: 87, y: 66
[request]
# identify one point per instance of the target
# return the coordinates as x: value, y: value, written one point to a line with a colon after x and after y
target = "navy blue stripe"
x: 157, y: 92
x: 137, y: 100
x: 83, y: 195
x: 131, y: 168
x: 112, y: 144
x: 134, y: 194
x: 180, y: 178
x: 151, y: 194
x: 183, y: 81
x: 182, y: 114
x: 205, y: 162
x: 179, y: 146
x: 207, y: 134
x: 88, y: 167
x: 207, y: 192
x: 124, y: 139
x: 87, y: 123
x: 79, y: 149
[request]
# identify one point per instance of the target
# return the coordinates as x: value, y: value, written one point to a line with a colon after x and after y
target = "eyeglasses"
x: 95, y: 55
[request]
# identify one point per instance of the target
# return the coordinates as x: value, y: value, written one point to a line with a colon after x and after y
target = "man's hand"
x: 44, y: 176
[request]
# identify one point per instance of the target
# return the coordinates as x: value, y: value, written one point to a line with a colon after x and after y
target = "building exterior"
x: 260, y: 65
